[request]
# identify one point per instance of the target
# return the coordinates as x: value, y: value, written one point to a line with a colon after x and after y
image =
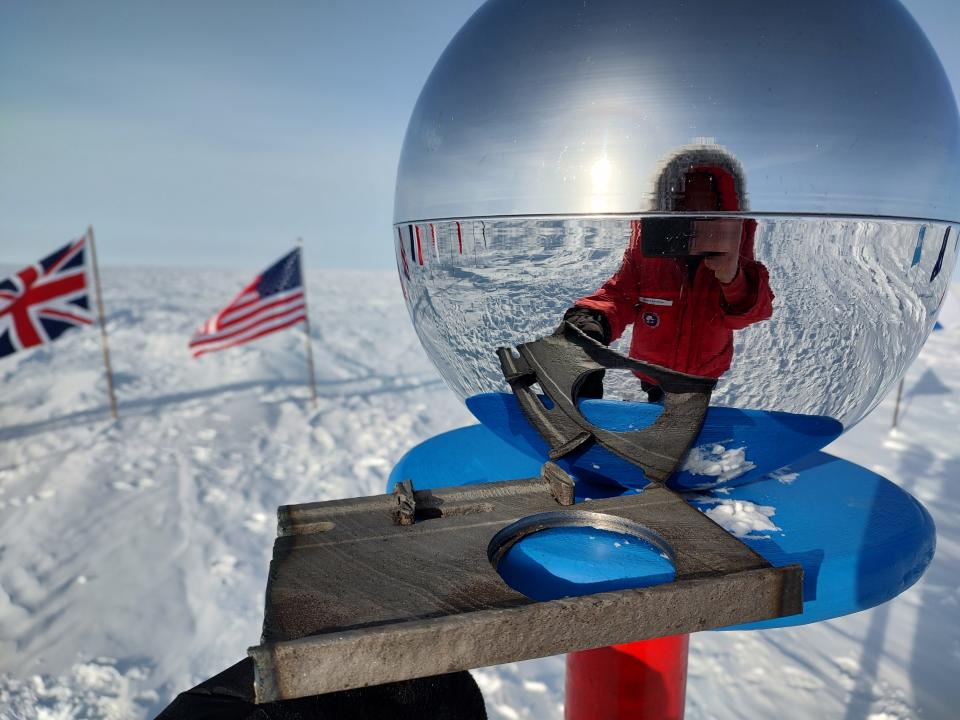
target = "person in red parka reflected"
x: 686, y: 284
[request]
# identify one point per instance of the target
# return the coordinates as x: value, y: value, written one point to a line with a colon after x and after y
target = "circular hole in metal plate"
x: 568, y: 553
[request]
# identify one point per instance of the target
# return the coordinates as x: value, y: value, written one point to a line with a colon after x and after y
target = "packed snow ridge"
x: 717, y: 461
x: 742, y: 517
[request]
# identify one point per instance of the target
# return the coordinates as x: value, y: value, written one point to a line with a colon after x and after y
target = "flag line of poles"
x: 42, y: 301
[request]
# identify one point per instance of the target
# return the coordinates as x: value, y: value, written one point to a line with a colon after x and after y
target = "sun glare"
x: 600, y: 173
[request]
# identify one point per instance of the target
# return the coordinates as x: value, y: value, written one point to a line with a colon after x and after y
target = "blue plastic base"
x: 733, y: 447
x: 860, y: 539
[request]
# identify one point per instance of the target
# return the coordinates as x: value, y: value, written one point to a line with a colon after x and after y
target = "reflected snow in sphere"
x: 764, y: 193
x: 853, y: 304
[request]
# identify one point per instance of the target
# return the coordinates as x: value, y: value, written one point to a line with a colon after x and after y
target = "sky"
x: 216, y: 133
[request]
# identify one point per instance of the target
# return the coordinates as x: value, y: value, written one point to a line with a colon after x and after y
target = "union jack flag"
x: 43, y: 301
x: 272, y: 302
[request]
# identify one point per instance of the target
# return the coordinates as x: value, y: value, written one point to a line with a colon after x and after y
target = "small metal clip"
x: 560, y: 482
x: 406, y: 507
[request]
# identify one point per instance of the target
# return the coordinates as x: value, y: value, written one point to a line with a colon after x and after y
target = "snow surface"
x: 133, y: 555
x: 742, y: 517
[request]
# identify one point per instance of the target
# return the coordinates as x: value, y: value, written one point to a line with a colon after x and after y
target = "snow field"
x: 133, y: 556
x: 148, y: 541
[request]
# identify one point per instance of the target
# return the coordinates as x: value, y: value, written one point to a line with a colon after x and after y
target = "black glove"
x: 594, y: 325
x: 590, y: 322
x: 229, y: 696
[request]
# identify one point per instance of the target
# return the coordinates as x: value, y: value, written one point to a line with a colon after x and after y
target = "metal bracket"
x: 354, y: 599
x: 405, y: 511
x: 394, y: 587
x: 560, y: 363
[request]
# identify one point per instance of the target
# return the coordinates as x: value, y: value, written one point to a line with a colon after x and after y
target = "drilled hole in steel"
x: 621, y: 384
x: 562, y: 554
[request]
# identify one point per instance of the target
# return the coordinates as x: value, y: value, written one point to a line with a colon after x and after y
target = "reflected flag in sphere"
x: 44, y: 300
x: 272, y: 302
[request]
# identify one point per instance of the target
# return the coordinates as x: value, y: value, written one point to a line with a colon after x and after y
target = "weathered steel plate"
x: 355, y: 599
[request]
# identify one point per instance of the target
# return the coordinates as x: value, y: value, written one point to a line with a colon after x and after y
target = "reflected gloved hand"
x: 593, y: 324
x: 590, y: 322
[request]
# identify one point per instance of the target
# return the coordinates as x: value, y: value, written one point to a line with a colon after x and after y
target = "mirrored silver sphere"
x: 568, y: 106
x: 766, y: 193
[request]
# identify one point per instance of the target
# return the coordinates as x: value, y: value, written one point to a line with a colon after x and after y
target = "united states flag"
x: 43, y: 301
x: 273, y: 301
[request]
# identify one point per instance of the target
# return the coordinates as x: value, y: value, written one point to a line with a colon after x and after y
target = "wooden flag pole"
x: 896, y: 408
x: 306, y: 330
x: 103, y: 324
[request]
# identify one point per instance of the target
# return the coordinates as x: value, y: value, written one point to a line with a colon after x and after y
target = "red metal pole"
x: 641, y: 681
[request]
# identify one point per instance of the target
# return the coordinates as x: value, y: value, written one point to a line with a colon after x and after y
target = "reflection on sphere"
x: 556, y: 142
x: 851, y: 309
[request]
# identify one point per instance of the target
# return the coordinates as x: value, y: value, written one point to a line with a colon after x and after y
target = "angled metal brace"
x: 560, y: 364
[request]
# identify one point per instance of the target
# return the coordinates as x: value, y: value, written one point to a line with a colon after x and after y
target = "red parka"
x: 683, y: 324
